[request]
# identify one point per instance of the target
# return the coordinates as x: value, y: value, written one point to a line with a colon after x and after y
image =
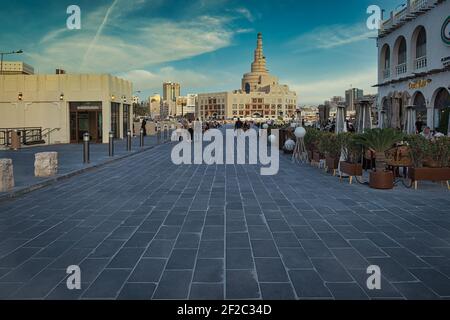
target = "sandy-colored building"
x: 67, y: 105
x: 15, y: 67
x: 155, y: 106
x: 260, y: 97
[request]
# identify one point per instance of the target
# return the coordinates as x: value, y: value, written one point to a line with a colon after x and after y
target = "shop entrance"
x: 86, y: 117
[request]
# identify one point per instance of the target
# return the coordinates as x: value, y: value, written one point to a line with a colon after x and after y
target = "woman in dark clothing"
x: 144, y: 127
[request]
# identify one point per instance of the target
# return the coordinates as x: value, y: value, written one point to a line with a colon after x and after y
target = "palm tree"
x: 380, y: 141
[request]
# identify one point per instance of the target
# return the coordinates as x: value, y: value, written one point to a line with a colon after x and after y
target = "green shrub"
x: 329, y: 145
x: 351, y: 149
x: 418, y: 149
x: 312, y: 138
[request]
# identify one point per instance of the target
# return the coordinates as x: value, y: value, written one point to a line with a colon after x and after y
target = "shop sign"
x: 446, y: 61
x: 88, y: 108
x: 445, y: 31
x: 419, y: 84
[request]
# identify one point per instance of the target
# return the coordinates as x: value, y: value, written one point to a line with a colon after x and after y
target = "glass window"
x: 115, y: 119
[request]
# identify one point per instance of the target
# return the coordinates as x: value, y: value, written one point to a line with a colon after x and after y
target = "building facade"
x: 171, y: 91
x: 414, y: 65
x: 15, y: 67
x: 67, y: 105
x: 260, y: 96
x: 155, y: 106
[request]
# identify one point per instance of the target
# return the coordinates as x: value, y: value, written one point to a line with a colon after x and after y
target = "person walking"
x: 238, y: 127
x: 144, y: 127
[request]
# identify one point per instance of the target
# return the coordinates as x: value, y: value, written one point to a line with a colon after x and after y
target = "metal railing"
x: 412, y: 8
x: 401, y: 69
x: 420, y: 63
x: 386, y: 74
x: 27, y: 135
x: 47, y: 133
x: 418, y: 5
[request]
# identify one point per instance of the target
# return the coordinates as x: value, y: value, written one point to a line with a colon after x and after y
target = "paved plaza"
x: 143, y: 228
x: 70, y: 158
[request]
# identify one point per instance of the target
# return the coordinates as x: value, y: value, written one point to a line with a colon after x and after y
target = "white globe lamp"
x: 289, y: 145
x: 300, y: 132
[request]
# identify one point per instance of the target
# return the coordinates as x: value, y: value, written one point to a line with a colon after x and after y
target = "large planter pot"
x: 282, y: 138
x: 317, y: 156
x: 351, y: 169
x: 382, y: 180
x: 429, y: 174
x: 332, y: 163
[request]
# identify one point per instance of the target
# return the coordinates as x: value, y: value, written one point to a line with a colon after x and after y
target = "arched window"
x: 401, y: 56
x: 386, y: 61
x: 402, y: 52
x: 442, y: 110
x: 421, y: 44
x: 421, y: 111
x: 247, y: 88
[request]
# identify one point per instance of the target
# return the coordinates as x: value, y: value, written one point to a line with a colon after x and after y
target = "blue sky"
x: 319, y: 48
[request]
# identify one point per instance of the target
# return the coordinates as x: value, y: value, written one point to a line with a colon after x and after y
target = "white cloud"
x: 316, y: 92
x: 332, y: 36
x: 246, y: 13
x: 149, y: 80
x: 106, y: 44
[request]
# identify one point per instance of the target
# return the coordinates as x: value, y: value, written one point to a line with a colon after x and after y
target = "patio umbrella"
x: 341, y: 127
x: 410, y: 120
x: 364, y: 116
x: 340, y: 120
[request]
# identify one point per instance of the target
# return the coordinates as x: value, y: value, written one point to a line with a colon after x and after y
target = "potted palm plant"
x: 380, y: 141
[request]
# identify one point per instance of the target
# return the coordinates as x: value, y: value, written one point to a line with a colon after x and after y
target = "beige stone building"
x: 65, y: 106
x: 15, y: 67
x: 260, y: 97
x: 155, y: 106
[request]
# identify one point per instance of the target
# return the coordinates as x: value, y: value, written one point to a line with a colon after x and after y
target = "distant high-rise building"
x: 171, y: 91
x: 351, y: 96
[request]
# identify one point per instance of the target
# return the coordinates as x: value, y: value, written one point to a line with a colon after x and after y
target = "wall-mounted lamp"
x: 20, y: 96
x: 113, y: 97
x: 61, y: 97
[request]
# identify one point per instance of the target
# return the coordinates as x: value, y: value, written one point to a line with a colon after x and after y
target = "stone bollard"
x: 6, y: 175
x: 46, y: 164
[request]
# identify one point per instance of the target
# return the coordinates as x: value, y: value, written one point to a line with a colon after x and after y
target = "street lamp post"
x: 5, y: 54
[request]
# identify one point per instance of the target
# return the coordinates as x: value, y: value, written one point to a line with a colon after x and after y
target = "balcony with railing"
x: 420, y: 63
x: 398, y: 17
x: 401, y: 69
x: 418, y: 5
x: 386, y: 74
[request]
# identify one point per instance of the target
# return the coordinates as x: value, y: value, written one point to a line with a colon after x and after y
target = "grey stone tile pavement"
x: 70, y: 158
x: 143, y: 228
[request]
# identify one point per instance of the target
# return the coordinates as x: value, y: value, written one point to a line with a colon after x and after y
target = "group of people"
x: 244, y: 126
x: 331, y: 126
x: 194, y: 128
x: 429, y: 134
